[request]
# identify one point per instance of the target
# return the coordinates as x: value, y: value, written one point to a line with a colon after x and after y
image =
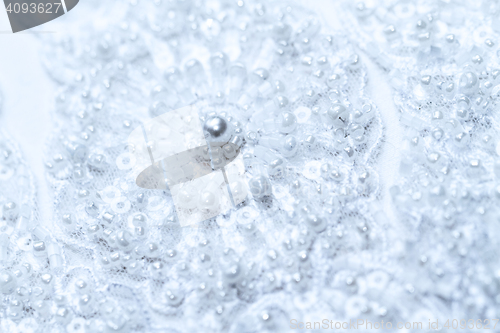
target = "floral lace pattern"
x: 307, y: 239
x: 292, y: 99
x: 443, y: 60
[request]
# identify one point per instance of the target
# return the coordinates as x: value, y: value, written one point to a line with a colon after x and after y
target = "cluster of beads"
x: 444, y: 61
x: 264, y: 78
x: 30, y: 258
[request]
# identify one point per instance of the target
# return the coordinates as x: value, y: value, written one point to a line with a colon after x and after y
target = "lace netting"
x: 443, y: 60
x: 302, y: 227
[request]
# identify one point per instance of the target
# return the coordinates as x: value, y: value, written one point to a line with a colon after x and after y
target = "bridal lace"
x: 29, y: 257
x: 309, y: 240
x: 443, y: 61
x: 271, y: 257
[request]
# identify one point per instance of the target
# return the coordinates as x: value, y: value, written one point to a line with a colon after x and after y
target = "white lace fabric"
x: 20, y: 249
x: 251, y: 62
x: 310, y: 241
x: 442, y: 59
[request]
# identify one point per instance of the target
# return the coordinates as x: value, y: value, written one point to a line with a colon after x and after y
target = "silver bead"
x: 216, y: 127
